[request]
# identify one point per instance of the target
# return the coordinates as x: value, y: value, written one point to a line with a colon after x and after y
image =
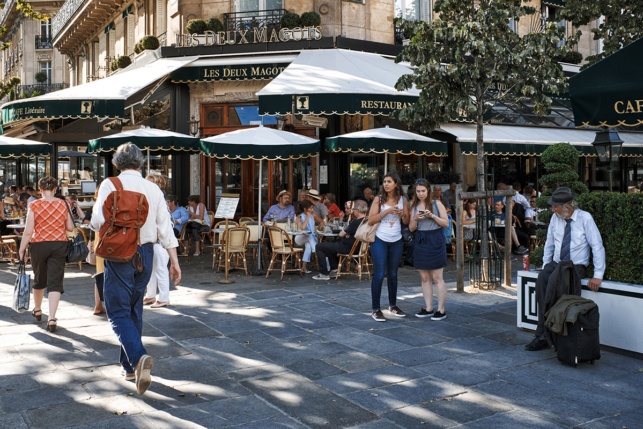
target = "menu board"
x: 227, y: 206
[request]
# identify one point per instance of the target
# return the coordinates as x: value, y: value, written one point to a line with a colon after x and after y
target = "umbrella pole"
x: 148, y: 162
x: 385, y: 162
x: 259, y: 223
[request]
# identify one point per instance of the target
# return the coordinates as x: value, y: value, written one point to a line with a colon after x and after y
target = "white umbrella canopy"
x: 260, y: 143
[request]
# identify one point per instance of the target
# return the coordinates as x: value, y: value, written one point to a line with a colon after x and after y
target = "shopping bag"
x: 22, y: 290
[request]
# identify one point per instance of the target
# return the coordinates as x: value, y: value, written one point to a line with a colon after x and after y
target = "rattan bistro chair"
x: 215, y: 237
x: 255, y: 238
x: 282, y: 246
x: 9, y: 248
x: 203, y: 235
x: 359, y: 254
x: 236, y: 242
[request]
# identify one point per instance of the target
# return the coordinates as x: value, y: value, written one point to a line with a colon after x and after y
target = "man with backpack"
x: 131, y: 215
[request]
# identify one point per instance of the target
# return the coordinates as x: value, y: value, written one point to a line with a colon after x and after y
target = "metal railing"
x: 42, y: 88
x: 399, y: 35
x: 254, y: 20
x: 66, y: 12
x: 43, y: 42
x: 163, y: 39
x: 5, y: 11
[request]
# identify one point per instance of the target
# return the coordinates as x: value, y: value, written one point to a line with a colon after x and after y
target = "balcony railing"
x: 42, y: 88
x: 254, y: 21
x: 43, y: 42
x: 64, y: 15
x: 163, y: 39
x: 399, y: 35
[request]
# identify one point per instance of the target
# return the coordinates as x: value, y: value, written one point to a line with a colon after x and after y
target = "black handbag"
x: 407, y: 235
x: 77, y: 249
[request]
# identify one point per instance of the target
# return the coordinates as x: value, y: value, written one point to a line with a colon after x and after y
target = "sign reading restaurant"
x: 242, y: 37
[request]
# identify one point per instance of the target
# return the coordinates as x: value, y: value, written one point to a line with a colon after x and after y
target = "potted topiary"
x: 41, y: 77
x: 123, y: 61
x: 196, y: 26
x: 149, y: 42
x: 214, y: 25
x: 113, y: 65
x: 290, y: 20
x: 138, y: 48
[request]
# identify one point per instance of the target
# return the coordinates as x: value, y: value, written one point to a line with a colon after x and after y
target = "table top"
x: 536, y: 222
x: 328, y: 234
x: 16, y: 225
x: 84, y: 226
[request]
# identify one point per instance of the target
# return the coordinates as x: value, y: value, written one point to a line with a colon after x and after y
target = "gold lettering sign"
x: 241, y: 37
x: 384, y: 105
x: 628, y: 106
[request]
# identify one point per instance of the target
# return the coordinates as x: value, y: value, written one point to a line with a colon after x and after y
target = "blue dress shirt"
x: 584, y: 235
x: 285, y: 213
x: 181, y: 215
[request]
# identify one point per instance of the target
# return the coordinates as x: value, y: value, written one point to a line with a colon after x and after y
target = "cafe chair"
x: 9, y: 248
x: 282, y: 246
x: 360, y: 257
x: 183, y: 237
x: 236, y: 243
x: 244, y: 220
x: 203, y: 235
x: 215, y: 238
x: 255, y: 238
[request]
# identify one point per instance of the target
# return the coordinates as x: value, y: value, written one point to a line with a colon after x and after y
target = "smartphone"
x: 427, y: 213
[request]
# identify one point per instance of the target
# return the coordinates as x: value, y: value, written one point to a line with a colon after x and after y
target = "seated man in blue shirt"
x: 179, y: 214
x: 283, y: 209
x: 571, y: 234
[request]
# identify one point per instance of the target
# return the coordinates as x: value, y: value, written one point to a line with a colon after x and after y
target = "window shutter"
x: 160, y: 17
x: 426, y: 11
x: 130, y: 34
x: 112, y: 43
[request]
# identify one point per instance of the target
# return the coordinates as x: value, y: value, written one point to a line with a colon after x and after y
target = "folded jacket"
x: 566, y: 310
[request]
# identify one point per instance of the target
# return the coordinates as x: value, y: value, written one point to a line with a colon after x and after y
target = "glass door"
x: 365, y: 172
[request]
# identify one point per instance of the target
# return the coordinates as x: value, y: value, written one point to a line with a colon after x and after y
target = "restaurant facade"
x: 315, y: 80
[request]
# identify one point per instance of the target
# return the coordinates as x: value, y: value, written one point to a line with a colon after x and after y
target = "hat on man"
x: 314, y: 194
x: 282, y: 193
x: 560, y: 196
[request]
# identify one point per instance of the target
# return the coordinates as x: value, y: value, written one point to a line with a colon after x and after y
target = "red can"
x: 525, y: 262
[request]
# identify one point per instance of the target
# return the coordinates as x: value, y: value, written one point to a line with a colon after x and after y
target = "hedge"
x: 619, y: 218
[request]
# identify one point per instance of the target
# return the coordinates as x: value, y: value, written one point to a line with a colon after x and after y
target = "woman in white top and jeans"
x: 389, y: 209
x: 160, y: 278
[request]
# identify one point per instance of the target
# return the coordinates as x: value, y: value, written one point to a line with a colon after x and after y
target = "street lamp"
x: 194, y: 125
x: 607, y: 145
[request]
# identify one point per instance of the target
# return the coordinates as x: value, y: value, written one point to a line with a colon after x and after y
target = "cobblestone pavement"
x: 264, y: 353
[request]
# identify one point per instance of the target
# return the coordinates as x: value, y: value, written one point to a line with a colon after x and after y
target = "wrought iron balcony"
x: 399, y: 36
x: 42, y: 88
x: 257, y: 20
x: 64, y: 15
x: 43, y: 42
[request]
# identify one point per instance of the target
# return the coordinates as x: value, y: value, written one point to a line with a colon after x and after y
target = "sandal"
x: 160, y: 304
x: 52, y: 327
x: 37, y: 316
x: 196, y: 254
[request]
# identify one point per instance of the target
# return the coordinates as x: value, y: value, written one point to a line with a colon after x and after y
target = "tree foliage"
x: 9, y: 85
x: 621, y: 26
x: 24, y: 7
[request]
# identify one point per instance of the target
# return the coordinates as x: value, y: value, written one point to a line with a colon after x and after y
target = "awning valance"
x: 127, y: 11
x: 233, y: 69
x: 556, y: 3
x: 146, y: 139
x: 336, y: 81
x: 386, y: 140
x: 18, y: 148
x: 532, y: 141
x: 610, y: 93
x: 104, y: 98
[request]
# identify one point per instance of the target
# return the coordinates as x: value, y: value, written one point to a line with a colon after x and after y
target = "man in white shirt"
x: 520, y: 198
x: 571, y: 234
x: 124, y: 285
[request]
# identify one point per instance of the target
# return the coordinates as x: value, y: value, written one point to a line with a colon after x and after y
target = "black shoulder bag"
x: 77, y: 249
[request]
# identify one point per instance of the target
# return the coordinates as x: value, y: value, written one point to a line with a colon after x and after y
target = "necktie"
x: 567, y: 242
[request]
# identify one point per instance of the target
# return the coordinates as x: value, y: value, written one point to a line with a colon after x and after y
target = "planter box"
x: 619, y: 304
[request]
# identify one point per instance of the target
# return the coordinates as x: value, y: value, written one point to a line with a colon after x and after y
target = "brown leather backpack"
x: 125, y: 213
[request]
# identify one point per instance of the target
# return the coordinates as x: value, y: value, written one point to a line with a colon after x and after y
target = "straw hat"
x: 314, y: 194
x: 282, y: 193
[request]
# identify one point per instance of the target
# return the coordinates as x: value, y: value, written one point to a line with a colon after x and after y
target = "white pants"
x: 160, y: 275
x: 309, y: 243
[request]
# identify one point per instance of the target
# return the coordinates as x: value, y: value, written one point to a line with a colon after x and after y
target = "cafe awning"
x: 386, y: 140
x: 233, y: 69
x: 610, y: 93
x: 104, y: 98
x: 19, y: 148
x: 146, y: 139
x: 336, y: 81
x: 532, y: 141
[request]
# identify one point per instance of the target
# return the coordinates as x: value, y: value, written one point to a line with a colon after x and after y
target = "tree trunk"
x: 482, y: 186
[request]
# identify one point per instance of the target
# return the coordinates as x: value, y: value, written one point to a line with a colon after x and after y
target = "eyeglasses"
x: 421, y: 181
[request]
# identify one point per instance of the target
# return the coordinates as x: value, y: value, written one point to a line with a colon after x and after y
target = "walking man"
x: 571, y: 234
x: 124, y: 283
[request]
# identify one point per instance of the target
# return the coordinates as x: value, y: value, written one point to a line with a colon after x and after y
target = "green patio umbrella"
x: 386, y: 140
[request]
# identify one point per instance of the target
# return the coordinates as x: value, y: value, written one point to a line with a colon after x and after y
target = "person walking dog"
x: 125, y: 282
x: 47, y: 221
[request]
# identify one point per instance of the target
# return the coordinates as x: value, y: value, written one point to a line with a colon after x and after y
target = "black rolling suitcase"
x: 581, y: 343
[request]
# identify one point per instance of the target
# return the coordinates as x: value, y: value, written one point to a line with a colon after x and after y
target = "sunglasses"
x: 421, y: 181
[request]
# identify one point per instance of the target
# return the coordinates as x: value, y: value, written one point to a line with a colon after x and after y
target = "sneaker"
x: 423, y: 313
x: 128, y: 376
x: 143, y: 376
x: 438, y: 316
x: 395, y: 311
x: 332, y: 273
x: 521, y: 250
x: 378, y: 316
x: 321, y: 276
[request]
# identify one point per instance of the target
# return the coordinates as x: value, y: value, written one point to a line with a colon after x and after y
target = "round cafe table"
x: 17, y: 226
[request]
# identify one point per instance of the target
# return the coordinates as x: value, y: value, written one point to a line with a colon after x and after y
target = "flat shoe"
x: 143, y: 376
x: 148, y: 301
x: 160, y: 304
x: 128, y: 376
x: 196, y: 254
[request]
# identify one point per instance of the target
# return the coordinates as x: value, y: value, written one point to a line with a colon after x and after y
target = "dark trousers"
x: 410, y: 248
x: 124, y: 292
x: 330, y: 251
x: 196, y: 229
x: 48, y: 263
x: 541, y: 291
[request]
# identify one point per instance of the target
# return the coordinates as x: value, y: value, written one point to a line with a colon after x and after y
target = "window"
x: 45, y: 66
x: 45, y: 28
x: 413, y: 10
x: 256, y: 5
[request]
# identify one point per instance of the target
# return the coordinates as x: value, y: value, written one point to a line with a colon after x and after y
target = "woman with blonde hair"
x: 48, y: 219
x: 160, y: 278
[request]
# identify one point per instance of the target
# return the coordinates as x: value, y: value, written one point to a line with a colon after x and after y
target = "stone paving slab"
x: 262, y: 353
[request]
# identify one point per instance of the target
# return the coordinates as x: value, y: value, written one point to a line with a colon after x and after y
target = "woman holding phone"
x: 430, y: 253
x: 388, y: 210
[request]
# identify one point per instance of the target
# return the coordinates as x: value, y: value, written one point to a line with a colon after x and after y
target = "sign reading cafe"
x: 242, y: 37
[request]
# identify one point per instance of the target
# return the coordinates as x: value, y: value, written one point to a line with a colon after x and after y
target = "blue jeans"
x: 386, y: 259
x: 124, y: 292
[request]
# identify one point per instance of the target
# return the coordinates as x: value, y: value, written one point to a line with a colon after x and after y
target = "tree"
x: 621, y: 26
x: 24, y: 7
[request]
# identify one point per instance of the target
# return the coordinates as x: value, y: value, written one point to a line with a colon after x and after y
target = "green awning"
x: 233, y: 69
x: 146, y: 139
x: 556, y: 3
x: 532, y: 141
x: 19, y: 148
x: 610, y: 93
x: 109, y: 27
x: 127, y: 11
x: 386, y: 140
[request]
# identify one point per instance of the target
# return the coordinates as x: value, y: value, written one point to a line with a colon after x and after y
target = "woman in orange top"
x: 47, y: 221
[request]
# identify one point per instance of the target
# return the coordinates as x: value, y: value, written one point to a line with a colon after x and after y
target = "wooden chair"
x: 72, y: 234
x: 9, y: 248
x: 244, y: 220
x: 182, y: 239
x: 236, y: 242
x: 284, y: 248
x: 360, y: 258
x: 215, y: 237
x: 203, y: 235
x: 255, y: 237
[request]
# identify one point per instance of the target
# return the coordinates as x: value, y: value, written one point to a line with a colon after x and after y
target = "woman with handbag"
x: 160, y: 278
x: 388, y: 211
x: 306, y: 222
x: 48, y: 219
x: 198, y: 214
x: 430, y: 252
